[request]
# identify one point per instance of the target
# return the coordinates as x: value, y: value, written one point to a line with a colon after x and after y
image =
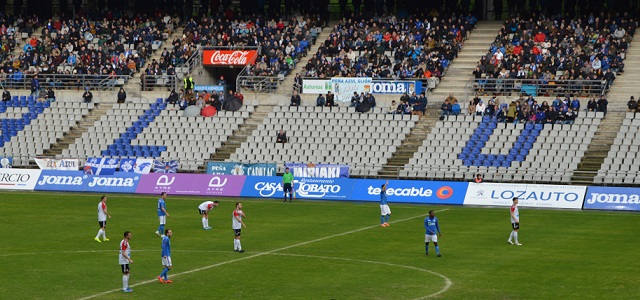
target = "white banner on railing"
x: 58, y: 163
x: 18, y: 179
x: 344, y: 87
x: 529, y: 195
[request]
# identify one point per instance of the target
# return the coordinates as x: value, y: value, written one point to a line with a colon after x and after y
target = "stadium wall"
x: 341, y: 189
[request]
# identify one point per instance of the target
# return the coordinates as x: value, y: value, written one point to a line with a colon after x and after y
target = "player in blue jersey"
x: 166, y: 256
x: 431, y: 225
x: 385, y: 211
x: 162, y: 214
x: 515, y: 223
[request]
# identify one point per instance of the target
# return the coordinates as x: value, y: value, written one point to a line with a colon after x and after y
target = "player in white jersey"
x: 125, y: 260
x: 515, y: 223
x: 103, y: 213
x: 237, y: 225
x: 203, y: 210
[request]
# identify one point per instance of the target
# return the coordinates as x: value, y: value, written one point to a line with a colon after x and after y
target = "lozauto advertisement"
x: 529, y: 195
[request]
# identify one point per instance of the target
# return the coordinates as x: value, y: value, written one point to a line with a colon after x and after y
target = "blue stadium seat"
x: 495, y: 163
x: 524, y: 151
x: 491, y: 157
x: 482, y: 156
x: 505, y: 164
x: 520, y: 158
x: 539, y: 126
x: 529, y: 126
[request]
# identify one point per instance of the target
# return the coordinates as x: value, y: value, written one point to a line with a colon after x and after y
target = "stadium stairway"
x: 287, y: 85
x: 82, y: 126
x: 239, y: 136
x: 460, y: 71
x: 409, y: 146
x: 599, y: 148
x: 626, y: 84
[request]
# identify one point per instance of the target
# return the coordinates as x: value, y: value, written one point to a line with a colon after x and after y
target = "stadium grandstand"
x: 518, y: 93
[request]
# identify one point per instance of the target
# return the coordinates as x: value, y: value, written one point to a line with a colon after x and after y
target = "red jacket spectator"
x: 539, y: 37
x: 517, y: 49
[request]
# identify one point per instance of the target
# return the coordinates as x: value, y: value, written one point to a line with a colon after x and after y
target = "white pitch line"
x: 446, y: 279
x: 99, y: 251
x: 256, y: 255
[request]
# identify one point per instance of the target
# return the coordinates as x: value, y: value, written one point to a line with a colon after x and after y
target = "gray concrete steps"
x: 240, y: 135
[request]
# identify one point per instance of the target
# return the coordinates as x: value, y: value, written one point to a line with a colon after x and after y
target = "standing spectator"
x: 320, y: 101
x: 511, y: 112
x: 87, y: 96
x: 632, y: 104
x: 221, y: 82
x: 122, y: 95
x: 575, y: 103
x: 602, y: 104
x: 35, y: 86
x: 330, y: 99
x: 471, y: 108
x: 295, y: 99
x: 6, y: 95
x: 281, y: 137
x: 423, y: 102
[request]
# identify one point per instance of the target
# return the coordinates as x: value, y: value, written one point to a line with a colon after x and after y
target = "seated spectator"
x: 632, y: 105
x: 42, y: 95
x: 551, y: 116
x: 502, y: 115
x: 184, y: 103
x: 445, y: 108
x: 320, y: 101
x: 541, y: 116
x: 570, y: 116
x: 369, y: 99
x: 575, y: 103
x: 282, y: 137
x: 215, y: 102
x: 480, y: 107
x: 405, y: 108
x: 51, y: 95
x: 602, y: 104
x: 422, y: 101
x: 87, y: 96
x: 455, y: 108
x: 295, y: 99
x: 355, y: 100
x: 393, y: 108
x: 478, y: 178
x: 122, y: 95
x: 471, y: 108
x: 173, y: 98
x: 330, y: 101
x: 592, y: 105
x: 6, y: 95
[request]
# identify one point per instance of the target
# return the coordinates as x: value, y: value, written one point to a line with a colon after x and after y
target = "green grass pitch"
x: 312, y: 250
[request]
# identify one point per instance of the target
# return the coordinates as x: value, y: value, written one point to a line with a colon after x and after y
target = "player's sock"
x: 161, y: 229
x: 164, y: 273
x: 386, y: 219
x: 207, y: 222
x: 426, y: 248
x: 99, y: 233
x: 235, y: 244
x: 515, y: 236
x: 381, y: 219
x: 204, y: 222
x: 125, y: 282
x: 239, y: 245
x: 437, y: 249
x: 511, y: 236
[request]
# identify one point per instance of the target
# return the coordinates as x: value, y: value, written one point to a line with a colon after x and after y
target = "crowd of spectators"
x: 184, y: 98
x: 562, y: 110
x: 116, y: 46
x: 387, y: 46
x: 558, y: 54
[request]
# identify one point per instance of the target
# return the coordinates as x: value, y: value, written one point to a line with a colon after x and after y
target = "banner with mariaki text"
x: 318, y: 170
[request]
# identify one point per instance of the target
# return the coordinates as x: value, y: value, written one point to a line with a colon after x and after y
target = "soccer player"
x: 515, y: 222
x: 125, y: 260
x: 204, y: 209
x: 431, y: 225
x: 237, y: 225
x: 103, y: 213
x: 166, y: 256
x: 385, y: 211
x: 162, y: 214
x: 287, y: 185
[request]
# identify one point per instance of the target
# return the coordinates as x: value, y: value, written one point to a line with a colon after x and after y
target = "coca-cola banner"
x: 228, y: 57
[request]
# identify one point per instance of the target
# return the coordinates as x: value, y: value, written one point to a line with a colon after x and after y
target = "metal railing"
x: 149, y: 82
x: 535, y: 87
x: 258, y: 84
x: 65, y: 81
